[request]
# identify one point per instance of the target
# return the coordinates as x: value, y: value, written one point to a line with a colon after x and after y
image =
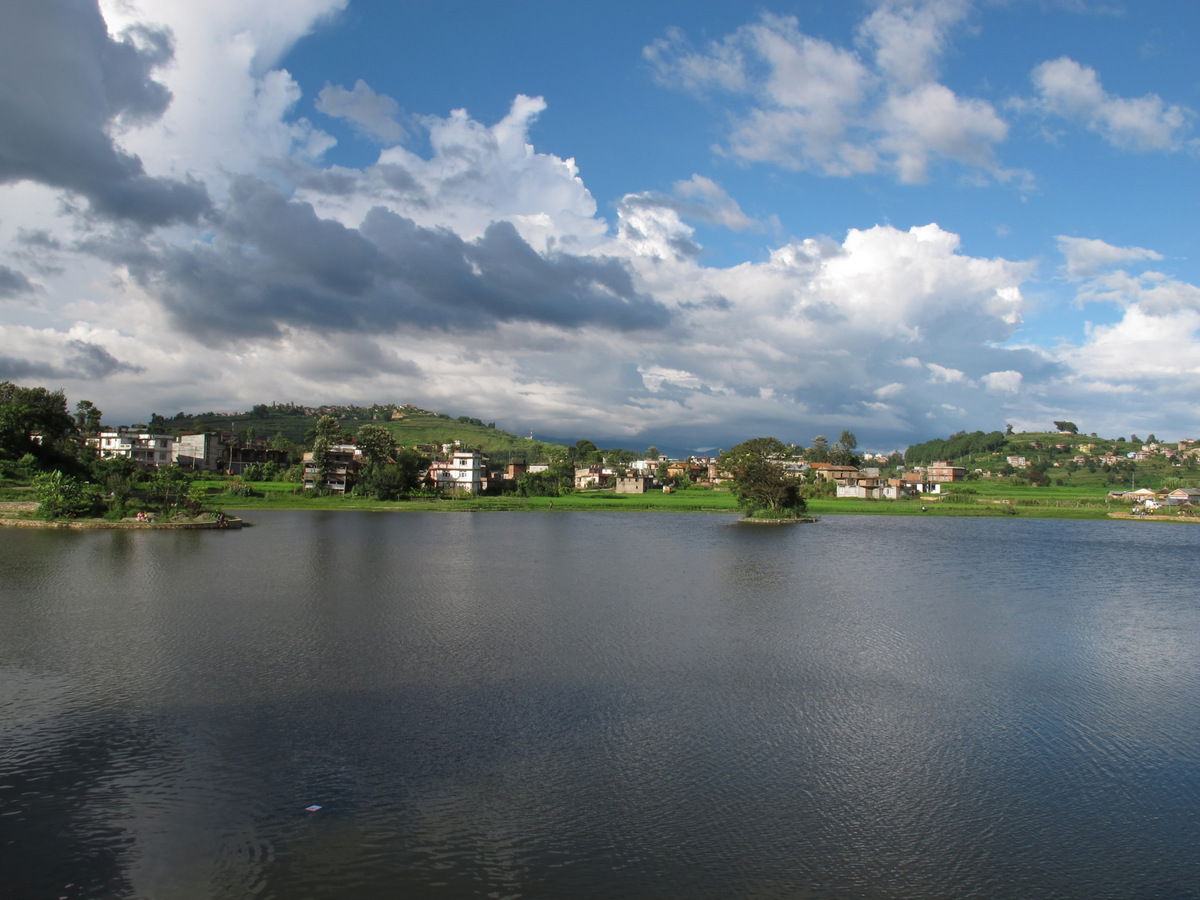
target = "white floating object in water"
x: 312, y: 808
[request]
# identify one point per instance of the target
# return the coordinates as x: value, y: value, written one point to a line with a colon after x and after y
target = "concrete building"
x: 592, y: 477
x: 633, y: 484
x: 145, y: 449
x: 463, y: 471
x: 200, y: 452
x: 940, y: 472
x: 342, y: 462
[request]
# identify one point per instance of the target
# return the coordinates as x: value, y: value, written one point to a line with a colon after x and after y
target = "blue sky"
x: 681, y: 224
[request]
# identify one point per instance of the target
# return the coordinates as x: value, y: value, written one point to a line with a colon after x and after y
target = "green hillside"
x: 411, y: 425
x: 1078, y: 460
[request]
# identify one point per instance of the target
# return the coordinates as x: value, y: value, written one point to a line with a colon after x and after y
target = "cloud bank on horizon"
x: 906, y: 219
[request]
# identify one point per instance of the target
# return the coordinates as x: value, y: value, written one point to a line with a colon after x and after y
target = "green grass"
x: 992, y: 500
x: 417, y: 427
x: 279, y: 495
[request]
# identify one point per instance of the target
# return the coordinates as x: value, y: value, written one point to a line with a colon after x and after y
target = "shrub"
x: 64, y: 496
x: 241, y: 489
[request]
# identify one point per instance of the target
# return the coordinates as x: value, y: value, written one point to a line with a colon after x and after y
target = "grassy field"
x: 998, y: 500
x: 991, y: 499
x: 417, y: 427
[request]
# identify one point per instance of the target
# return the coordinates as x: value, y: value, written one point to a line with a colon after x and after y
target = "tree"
x: 87, y: 417
x: 586, y: 453
x: 1067, y: 427
x: 819, y: 451
x: 327, y: 431
x: 662, y: 473
x: 376, y: 443
x: 1008, y: 429
x: 327, y: 427
x: 617, y: 456
x: 759, y: 480
x: 26, y: 412
x: 652, y: 453
x: 61, y: 495
x: 171, y: 487
x: 554, y: 482
x: 395, y: 478
x: 848, y: 441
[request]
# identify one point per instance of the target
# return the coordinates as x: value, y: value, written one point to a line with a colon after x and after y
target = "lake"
x: 601, y: 705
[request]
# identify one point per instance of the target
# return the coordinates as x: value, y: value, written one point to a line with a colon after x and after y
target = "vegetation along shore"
x: 190, y: 471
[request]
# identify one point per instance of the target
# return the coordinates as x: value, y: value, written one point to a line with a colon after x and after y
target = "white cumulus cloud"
x: 1073, y: 91
x: 816, y: 106
x: 1088, y: 256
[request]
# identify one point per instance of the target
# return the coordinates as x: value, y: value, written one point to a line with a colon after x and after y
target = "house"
x: 918, y: 483
x: 213, y: 452
x: 200, y: 452
x: 342, y: 462
x: 1183, y: 496
x: 633, y: 484
x: 1143, y: 496
x: 145, y: 449
x: 872, y: 487
x: 942, y: 472
x: 831, y: 472
x: 1017, y: 462
x: 687, y: 469
x: 592, y: 477
x: 463, y: 471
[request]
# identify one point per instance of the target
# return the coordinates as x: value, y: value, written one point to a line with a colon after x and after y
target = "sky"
x: 683, y: 224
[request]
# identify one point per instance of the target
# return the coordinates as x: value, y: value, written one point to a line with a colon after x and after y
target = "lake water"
x: 601, y: 705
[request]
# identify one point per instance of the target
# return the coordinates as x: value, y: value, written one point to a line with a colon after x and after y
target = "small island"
x: 759, y: 480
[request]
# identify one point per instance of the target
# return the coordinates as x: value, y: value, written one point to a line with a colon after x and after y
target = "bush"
x: 241, y: 489
x: 64, y: 496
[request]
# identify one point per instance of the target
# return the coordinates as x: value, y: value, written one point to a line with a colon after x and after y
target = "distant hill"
x: 411, y: 425
x: 994, y: 446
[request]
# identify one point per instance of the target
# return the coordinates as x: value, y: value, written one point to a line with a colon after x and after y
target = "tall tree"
x: 376, y: 443
x: 819, y: 451
x: 34, y: 420
x: 759, y: 480
x: 87, y: 417
x: 327, y: 427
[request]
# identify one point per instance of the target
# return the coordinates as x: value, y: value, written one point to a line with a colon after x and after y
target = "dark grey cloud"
x: 373, y: 115
x: 400, y: 179
x: 63, y: 84
x: 38, y: 238
x: 274, y: 263
x: 325, y: 182
x: 13, y: 283
x: 83, y: 359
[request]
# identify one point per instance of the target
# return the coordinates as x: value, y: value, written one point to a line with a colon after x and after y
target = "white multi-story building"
x: 145, y: 449
x: 342, y: 462
x: 463, y: 471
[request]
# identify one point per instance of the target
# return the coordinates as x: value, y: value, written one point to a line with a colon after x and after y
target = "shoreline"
x: 584, y: 503
x: 98, y: 524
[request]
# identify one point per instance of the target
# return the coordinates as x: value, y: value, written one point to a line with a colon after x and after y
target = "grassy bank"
x: 989, y: 501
